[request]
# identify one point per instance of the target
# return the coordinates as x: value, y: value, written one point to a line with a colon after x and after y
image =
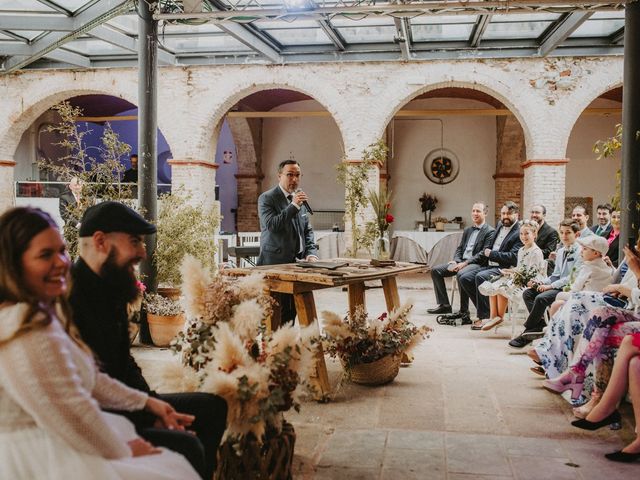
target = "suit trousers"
x: 201, y: 449
x: 537, y: 303
x: 439, y: 273
x: 466, y: 283
x: 470, y: 281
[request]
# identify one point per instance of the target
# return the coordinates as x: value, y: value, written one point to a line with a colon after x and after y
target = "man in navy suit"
x: 603, y: 227
x: 286, y: 235
x: 502, y: 254
x: 466, y: 258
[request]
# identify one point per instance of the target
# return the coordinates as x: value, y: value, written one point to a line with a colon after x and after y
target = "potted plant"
x: 439, y: 222
x: 381, y: 204
x: 165, y: 318
x: 226, y: 347
x: 183, y: 229
x: 427, y: 205
x: 371, y: 349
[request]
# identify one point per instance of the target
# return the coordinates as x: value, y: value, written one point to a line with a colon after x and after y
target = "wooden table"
x: 301, y: 282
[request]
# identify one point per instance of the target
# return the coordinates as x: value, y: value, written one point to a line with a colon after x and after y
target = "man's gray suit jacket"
x: 278, y: 222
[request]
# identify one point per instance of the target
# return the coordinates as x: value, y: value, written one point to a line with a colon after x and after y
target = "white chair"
x: 248, y: 239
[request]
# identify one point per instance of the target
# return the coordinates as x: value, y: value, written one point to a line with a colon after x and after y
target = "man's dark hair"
x: 284, y: 163
x: 567, y: 222
x: 544, y: 209
x: 134, y: 155
x: 605, y: 206
x: 511, y: 206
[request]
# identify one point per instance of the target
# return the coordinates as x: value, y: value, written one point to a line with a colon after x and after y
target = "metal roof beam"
x: 55, y: 23
x: 478, y: 30
x: 332, y: 33
x: 244, y: 34
x: 561, y: 30
x: 128, y: 43
x: 617, y: 36
x: 72, y: 58
x: 87, y: 20
x: 403, y: 37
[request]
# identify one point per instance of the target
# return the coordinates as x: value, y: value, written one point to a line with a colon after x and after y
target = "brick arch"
x: 24, y: 114
x: 216, y: 113
x: 488, y: 85
x: 581, y: 101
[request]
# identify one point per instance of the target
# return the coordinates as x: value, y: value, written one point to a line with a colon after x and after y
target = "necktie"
x: 296, y: 228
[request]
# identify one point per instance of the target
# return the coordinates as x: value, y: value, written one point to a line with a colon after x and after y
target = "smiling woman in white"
x: 51, y: 424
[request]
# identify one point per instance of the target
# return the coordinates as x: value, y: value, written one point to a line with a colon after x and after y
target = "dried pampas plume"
x: 174, y: 377
x: 334, y: 326
x: 195, y: 279
x: 251, y: 286
x: 229, y: 353
x: 247, y: 318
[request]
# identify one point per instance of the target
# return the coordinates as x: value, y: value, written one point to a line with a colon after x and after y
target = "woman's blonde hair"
x: 18, y: 226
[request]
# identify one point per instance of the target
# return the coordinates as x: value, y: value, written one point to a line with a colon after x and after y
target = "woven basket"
x: 270, y: 461
x: 379, y: 372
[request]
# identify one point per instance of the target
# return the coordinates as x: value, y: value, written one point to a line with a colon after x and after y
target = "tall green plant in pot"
x: 183, y: 228
x: 354, y: 177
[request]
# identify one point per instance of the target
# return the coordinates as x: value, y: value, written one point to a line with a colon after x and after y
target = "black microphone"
x: 305, y: 203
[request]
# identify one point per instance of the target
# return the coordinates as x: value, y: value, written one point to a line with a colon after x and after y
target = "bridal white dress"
x: 51, y: 425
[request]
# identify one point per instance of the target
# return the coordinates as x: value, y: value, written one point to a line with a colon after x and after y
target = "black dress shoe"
x: 453, y: 316
x: 585, y: 424
x: 466, y: 318
x: 623, y: 457
x: 440, y: 309
x: 519, y: 342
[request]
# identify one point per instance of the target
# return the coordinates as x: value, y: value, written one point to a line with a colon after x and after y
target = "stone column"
x: 544, y: 182
x: 196, y: 178
x: 7, y: 199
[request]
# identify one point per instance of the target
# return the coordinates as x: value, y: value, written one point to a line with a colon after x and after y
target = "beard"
x: 506, y: 222
x: 120, y: 280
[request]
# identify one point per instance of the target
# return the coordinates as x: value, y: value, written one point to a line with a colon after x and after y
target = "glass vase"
x: 381, y: 249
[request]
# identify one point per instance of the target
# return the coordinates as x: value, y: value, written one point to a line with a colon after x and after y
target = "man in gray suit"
x: 286, y: 235
x: 466, y: 258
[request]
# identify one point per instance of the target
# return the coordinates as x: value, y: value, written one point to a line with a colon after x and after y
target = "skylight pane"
x: 24, y: 6
x: 300, y: 36
x: 211, y: 43
x: 278, y: 24
x: 71, y: 5
x: 441, y: 33
x: 340, y: 21
x: 597, y: 28
x: 28, y: 34
x: 368, y: 34
x: 127, y: 23
x: 513, y: 30
x: 440, y: 19
x: 93, y: 46
x: 526, y: 17
x: 182, y: 29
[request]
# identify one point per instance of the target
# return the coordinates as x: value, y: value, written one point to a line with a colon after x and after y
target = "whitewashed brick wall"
x: 362, y: 98
x: 545, y: 184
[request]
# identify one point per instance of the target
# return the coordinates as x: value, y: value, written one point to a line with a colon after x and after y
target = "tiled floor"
x: 467, y: 408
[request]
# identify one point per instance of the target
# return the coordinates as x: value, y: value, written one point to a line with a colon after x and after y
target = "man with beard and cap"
x: 104, y: 282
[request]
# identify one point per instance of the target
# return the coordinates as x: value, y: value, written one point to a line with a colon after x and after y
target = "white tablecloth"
x: 416, y: 247
x: 330, y: 244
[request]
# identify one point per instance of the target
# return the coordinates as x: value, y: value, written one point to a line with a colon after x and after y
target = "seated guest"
x: 579, y: 215
x: 500, y: 290
x: 502, y: 254
x: 110, y: 245
x: 69, y: 202
x: 51, y: 425
x: 625, y: 376
x: 466, y: 258
x: 547, y: 237
x: 131, y: 174
x: 614, y: 238
x: 603, y: 227
x: 541, y: 295
x: 595, y: 273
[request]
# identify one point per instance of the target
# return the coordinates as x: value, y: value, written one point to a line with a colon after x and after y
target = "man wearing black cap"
x: 110, y: 246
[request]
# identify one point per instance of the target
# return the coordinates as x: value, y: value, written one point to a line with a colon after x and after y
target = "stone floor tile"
x: 355, y: 449
x: 533, y: 446
x: 476, y: 454
x: 536, y: 468
x: 346, y: 473
x: 472, y: 476
x: 415, y: 440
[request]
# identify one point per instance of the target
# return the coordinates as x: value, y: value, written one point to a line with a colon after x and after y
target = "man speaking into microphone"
x: 284, y: 224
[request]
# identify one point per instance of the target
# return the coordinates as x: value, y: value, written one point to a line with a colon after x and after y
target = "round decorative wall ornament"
x: 441, y: 166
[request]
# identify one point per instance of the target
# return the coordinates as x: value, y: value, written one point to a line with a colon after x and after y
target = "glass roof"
x: 285, y: 31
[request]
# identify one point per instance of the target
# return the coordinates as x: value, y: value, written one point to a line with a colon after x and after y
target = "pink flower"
x: 141, y: 286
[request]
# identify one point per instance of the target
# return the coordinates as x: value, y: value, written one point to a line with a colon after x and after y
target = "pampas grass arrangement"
x: 225, y: 346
